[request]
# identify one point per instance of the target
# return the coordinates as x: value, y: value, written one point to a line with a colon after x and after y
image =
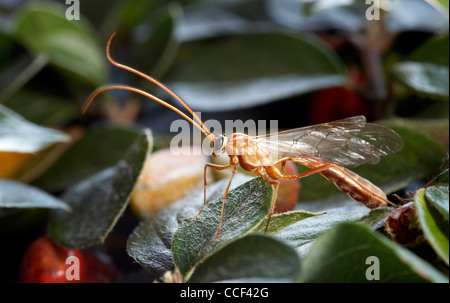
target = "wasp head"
x: 218, y: 145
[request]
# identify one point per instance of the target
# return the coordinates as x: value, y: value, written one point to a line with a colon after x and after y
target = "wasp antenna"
x: 136, y: 90
x: 159, y: 84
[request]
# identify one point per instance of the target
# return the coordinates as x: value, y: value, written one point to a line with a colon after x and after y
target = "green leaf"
x: 424, y: 78
x: 444, y: 3
x: 341, y: 256
x: 251, y: 257
x: 97, y: 150
x: 18, y: 73
x: 438, y: 196
x: 419, y: 157
x: 43, y: 108
x: 7, y: 47
x: 433, y: 225
x: 43, y: 29
x: 19, y: 135
x: 156, y: 54
x: 280, y: 221
x: 425, y: 70
x: 150, y: 243
x: 245, y: 211
x: 18, y: 195
x: 435, y: 51
x: 232, y: 72
x: 435, y: 127
x: 245, y: 207
x: 99, y: 201
x: 302, y: 234
x: 441, y: 179
x: 129, y: 14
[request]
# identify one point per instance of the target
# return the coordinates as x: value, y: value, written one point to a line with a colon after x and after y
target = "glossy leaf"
x: 245, y: 207
x: 245, y: 211
x: 99, y: 201
x: 432, y: 223
x: 97, y: 150
x: 44, y: 29
x: 424, y: 78
x: 302, y: 234
x: 151, y: 242
x: 407, y: 15
x: 250, y: 257
x: 18, y: 195
x: 438, y: 196
x: 232, y: 72
x: 22, y: 136
x: 346, y: 253
x: 441, y: 179
x: 350, y: 15
x: 281, y: 220
x: 425, y: 70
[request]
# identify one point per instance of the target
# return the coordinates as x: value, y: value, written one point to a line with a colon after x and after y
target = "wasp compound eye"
x: 218, y: 142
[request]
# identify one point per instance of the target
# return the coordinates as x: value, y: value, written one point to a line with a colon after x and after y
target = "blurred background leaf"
x: 19, y: 195
x: 98, y: 201
x: 22, y: 136
x: 71, y: 46
x: 348, y: 245
x: 241, y: 260
x: 99, y: 149
x: 249, y: 70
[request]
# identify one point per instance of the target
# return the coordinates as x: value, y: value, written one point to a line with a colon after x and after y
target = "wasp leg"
x: 223, y: 203
x: 274, y: 173
x: 276, y: 183
x: 213, y: 166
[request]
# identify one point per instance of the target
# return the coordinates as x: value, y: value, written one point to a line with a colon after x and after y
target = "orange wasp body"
x: 324, y: 148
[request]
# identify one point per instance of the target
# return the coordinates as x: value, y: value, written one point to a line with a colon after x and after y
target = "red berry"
x: 45, y: 262
x: 335, y: 103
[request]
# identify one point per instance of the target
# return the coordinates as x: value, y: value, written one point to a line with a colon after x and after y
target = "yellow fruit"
x: 12, y: 163
x: 166, y: 178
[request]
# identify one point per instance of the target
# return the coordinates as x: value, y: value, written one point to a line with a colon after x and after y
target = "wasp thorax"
x: 218, y: 145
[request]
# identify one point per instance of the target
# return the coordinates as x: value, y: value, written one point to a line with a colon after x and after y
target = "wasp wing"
x: 349, y: 142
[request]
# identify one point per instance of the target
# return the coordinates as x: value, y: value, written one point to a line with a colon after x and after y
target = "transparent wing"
x: 349, y: 142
